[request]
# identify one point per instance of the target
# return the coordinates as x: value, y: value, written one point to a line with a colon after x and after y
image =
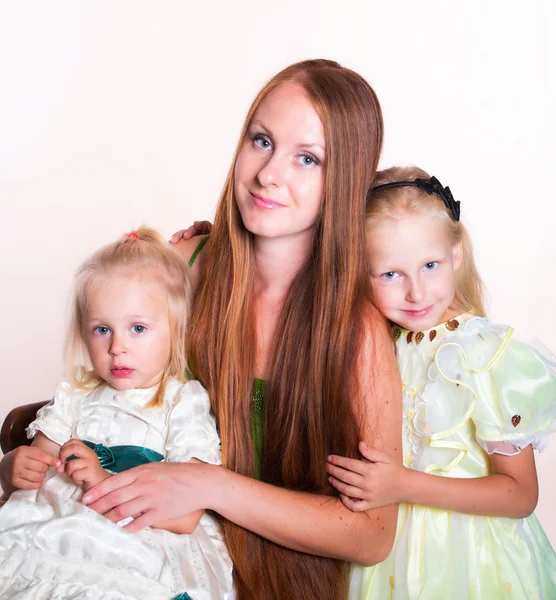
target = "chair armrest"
x: 14, y: 426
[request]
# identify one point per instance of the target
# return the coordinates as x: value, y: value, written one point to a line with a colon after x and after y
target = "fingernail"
x: 364, y: 445
x: 87, y: 499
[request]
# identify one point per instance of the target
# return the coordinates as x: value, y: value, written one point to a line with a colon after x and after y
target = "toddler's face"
x: 128, y: 331
x: 413, y: 270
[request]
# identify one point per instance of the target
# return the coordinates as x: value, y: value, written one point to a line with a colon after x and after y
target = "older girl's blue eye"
x: 138, y: 328
x: 390, y: 275
x: 430, y: 266
x: 101, y: 330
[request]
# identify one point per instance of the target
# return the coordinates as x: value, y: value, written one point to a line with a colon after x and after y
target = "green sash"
x: 121, y: 458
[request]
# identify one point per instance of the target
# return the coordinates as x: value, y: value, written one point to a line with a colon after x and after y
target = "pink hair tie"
x: 133, y: 235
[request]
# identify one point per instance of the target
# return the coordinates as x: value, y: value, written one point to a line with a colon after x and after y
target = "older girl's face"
x: 413, y: 271
x: 279, y: 171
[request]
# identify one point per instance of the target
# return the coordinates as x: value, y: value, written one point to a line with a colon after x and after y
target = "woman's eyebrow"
x: 259, y: 123
x: 311, y: 146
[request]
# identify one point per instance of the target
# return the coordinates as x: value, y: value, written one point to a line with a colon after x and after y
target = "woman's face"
x: 279, y: 170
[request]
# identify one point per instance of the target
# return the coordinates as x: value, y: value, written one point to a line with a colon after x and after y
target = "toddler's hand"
x: 26, y: 466
x: 83, y: 465
x: 198, y: 228
x: 366, y: 485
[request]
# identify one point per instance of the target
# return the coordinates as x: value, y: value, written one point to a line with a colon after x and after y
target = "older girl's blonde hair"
x: 143, y: 253
x: 395, y: 202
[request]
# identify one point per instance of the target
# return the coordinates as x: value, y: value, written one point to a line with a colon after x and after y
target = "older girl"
x: 477, y: 401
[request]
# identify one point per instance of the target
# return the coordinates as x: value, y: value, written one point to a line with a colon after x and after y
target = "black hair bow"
x: 430, y: 186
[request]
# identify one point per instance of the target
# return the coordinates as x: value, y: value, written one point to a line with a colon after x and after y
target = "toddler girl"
x: 125, y: 402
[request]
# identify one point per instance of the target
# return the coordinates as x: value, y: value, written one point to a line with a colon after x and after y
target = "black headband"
x: 430, y: 186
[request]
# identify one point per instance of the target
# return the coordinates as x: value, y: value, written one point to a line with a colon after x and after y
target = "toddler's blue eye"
x: 138, y: 328
x: 101, y: 330
x: 430, y: 266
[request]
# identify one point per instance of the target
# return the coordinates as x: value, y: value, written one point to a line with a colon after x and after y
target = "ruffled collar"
x: 429, y: 335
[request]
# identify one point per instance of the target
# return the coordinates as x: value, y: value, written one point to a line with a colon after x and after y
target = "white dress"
x: 53, y: 546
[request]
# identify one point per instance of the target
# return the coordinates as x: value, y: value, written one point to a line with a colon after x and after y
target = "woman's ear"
x: 457, y: 255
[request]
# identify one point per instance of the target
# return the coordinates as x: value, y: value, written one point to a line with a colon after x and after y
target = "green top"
x: 257, y: 422
x: 198, y: 249
x: 258, y: 393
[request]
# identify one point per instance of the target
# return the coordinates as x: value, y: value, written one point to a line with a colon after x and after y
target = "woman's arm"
x: 318, y: 524
x: 306, y: 522
x: 510, y: 491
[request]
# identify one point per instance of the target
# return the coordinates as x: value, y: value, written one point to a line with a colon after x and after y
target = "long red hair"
x: 308, y: 403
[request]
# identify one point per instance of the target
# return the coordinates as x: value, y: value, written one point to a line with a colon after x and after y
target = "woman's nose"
x: 272, y: 172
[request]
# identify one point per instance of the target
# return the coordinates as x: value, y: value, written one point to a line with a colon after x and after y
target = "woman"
x: 283, y: 297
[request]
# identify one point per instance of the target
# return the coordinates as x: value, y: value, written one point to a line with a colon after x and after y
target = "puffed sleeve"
x: 512, y: 385
x: 57, y: 418
x: 517, y: 404
x: 192, y: 428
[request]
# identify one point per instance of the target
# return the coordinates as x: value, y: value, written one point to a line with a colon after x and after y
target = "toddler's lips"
x: 121, y: 371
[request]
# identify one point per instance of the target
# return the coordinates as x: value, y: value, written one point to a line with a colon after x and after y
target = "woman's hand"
x: 366, y: 485
x: 198, y: 228
x: 155, y: 493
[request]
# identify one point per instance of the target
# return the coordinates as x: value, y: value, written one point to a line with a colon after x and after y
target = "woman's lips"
x: 121, y: 371
x: 265, y: 203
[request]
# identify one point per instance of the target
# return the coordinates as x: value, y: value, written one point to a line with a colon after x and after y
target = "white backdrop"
x: 114, y: 114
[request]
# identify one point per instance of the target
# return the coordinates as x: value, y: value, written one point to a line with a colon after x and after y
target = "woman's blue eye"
x: 138, y: 328
x: 101, y: 330
x: 262, y: 142
x: 307, y: 160
x: 430, y: 266
x: 390, y: 275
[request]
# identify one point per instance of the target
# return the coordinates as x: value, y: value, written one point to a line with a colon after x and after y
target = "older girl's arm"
x: 511, y: 491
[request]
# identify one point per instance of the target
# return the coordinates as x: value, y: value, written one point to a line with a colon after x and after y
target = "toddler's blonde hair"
x: 143, y: 253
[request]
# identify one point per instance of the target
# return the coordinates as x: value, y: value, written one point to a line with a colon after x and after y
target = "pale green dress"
x: 470, y: 389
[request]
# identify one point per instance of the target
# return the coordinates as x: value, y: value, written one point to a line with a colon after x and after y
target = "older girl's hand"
x: 155, y: 492
x: 198, y: 228
x: 377, y: 481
